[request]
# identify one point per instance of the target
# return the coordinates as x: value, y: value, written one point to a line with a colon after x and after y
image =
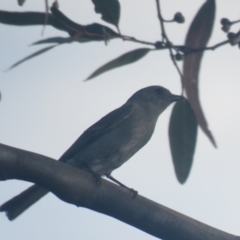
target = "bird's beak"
x: 175, y: 98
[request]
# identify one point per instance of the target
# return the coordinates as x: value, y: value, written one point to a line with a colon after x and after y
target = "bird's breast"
x: 139, y: 135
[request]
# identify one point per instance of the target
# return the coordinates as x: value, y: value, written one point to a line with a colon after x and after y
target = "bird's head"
x: 155, y: 97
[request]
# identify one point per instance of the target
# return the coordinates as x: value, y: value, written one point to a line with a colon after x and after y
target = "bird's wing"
x: 105, y: 124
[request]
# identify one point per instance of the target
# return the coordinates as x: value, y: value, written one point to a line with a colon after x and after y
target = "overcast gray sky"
x: 46, y: 105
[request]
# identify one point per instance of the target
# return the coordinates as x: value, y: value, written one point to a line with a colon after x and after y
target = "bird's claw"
x: 95, y: 175
x: 134, y: 192
x: 98, y: 180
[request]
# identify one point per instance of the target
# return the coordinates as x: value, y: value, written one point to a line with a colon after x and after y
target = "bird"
x: 108, y: 143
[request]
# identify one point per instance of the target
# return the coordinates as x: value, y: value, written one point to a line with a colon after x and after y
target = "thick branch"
x: 78, y: 187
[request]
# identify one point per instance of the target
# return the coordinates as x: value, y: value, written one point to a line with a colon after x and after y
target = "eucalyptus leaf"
x: 54, y: 40
x: 109, y: 9
x: 124, y: 59
x: 182, y: 138
x: 61, y: 40
x: 32, y: 56
x: 197, y: 37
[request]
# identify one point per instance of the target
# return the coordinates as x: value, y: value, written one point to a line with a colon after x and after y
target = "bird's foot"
x: 135, y: 193
x: 96, y: 176
x: 97, y: 179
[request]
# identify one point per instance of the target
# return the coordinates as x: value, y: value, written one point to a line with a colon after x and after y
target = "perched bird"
x: 108, y: 143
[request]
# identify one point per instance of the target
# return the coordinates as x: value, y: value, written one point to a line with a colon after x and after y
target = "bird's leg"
x: 135, y: 193
x: 95, y: 175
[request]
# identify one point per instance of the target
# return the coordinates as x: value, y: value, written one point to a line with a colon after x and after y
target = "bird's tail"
x: 18, y: 204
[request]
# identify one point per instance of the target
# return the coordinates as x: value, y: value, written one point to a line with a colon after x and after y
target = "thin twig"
x: 187, y: 50
x: 161, y: 21
x: 46, y: 16
x: 184, y: 49
x: 217, y: 45
x: 133, y: 39
x: 177, y: 67
x: 168, y: 43
x: 237, y: 21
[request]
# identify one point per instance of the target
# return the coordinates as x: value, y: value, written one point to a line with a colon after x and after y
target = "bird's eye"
x: 159, y: 91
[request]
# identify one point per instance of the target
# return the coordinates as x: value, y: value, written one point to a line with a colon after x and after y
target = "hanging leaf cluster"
x: 186, y: 115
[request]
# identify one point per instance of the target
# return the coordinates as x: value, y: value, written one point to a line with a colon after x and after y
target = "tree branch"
x: 78, y: 187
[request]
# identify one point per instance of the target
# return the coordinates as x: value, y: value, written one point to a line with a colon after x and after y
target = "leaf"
x: 182, y: 138
x: 21, y: 2
x: 75, y: 27
x: 96, y: 28
x: 124, y: 59
x: 31, y: 56
x: 46, y: 16
x: 30, y: 18
x: 58, y: 20
x: 54, y: 40
x: 197, y: 37
x: 93, y: 31
x: 109, y: 9
x: 61, y: 40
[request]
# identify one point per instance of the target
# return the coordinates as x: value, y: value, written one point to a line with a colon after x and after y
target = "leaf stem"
x: 133, y: 39
x: 237, y: 21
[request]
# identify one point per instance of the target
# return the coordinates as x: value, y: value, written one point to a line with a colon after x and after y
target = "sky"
x: 46, y: 105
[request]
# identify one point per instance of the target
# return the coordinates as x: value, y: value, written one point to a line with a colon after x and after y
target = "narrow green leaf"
x: 109, y: 9
x: 99, y: 29
x: 54, y: 40
x: 182, y: 138
x: 197, y: 37
x: 21, y: 2
x: 61, y: 40
x: 124, y: 59
x: 31, y: 56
